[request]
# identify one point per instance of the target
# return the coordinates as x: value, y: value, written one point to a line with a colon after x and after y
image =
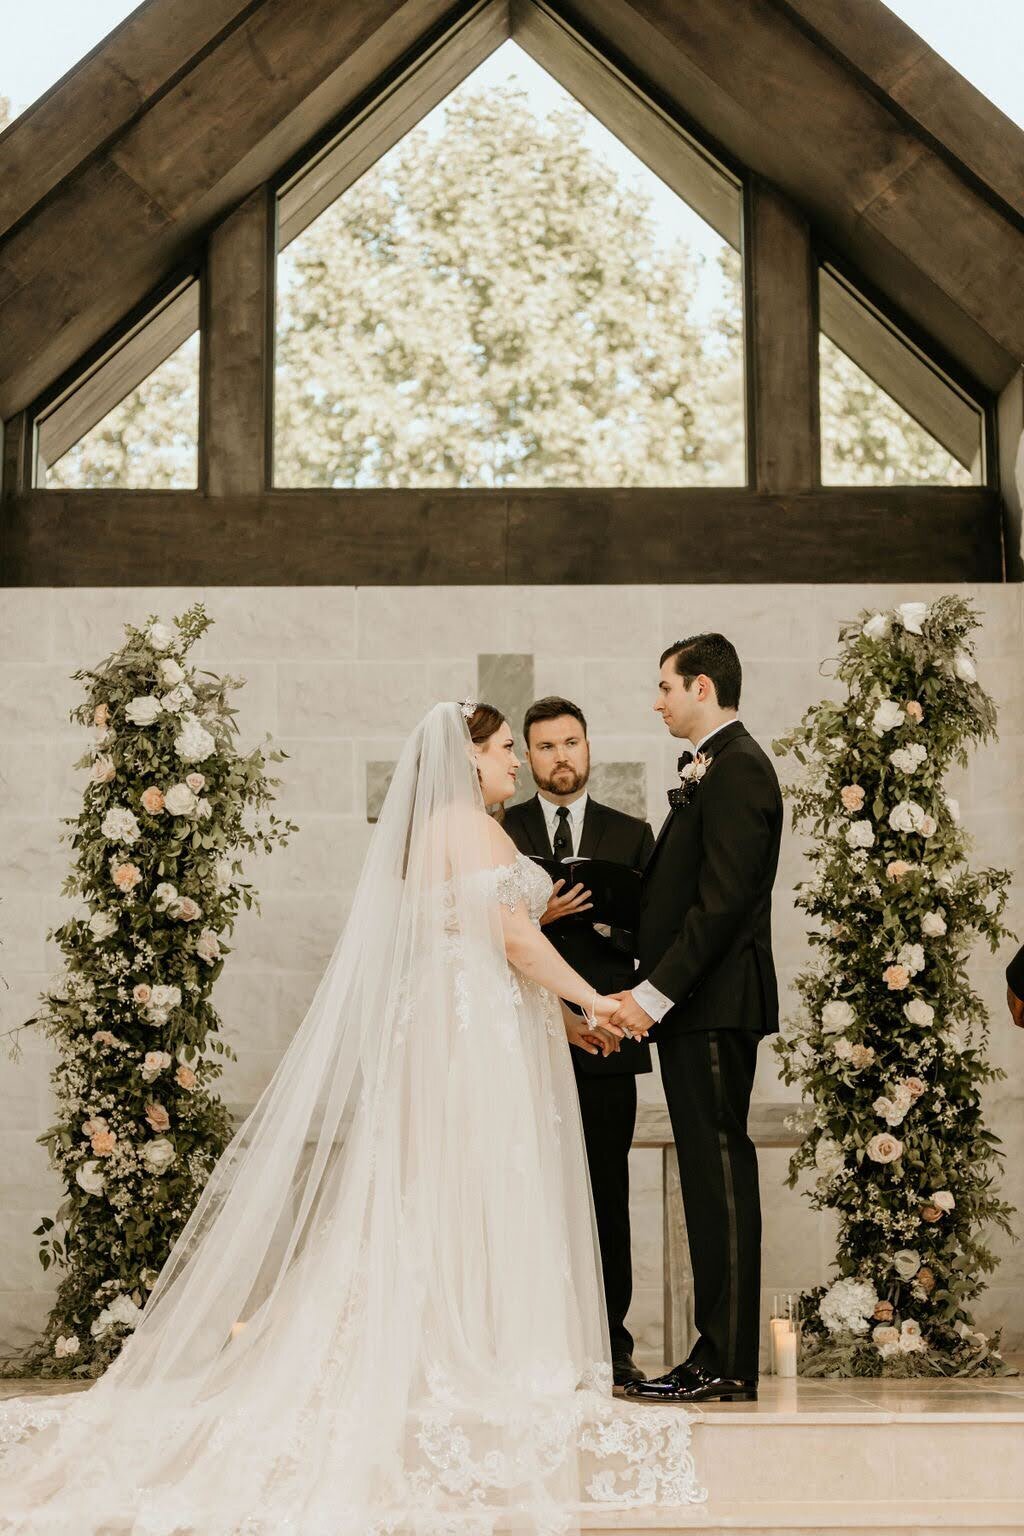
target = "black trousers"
x: 608, y: 1112
x: 708, y: 1075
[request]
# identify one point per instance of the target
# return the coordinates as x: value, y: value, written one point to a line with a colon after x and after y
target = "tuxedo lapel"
x: 537, y: 828
x: 594, y: 822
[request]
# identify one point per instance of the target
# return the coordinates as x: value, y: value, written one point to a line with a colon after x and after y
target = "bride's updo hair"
x: 483, y: 723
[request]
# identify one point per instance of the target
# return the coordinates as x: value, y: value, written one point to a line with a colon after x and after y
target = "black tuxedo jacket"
x: 608, y: 964
x: 705, y: 937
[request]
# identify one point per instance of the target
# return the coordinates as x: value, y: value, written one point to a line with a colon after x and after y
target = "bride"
x: 385, y: 1313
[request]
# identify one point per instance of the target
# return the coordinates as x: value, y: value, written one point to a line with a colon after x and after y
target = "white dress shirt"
x: 653, y: 1002
x: 577, y: 810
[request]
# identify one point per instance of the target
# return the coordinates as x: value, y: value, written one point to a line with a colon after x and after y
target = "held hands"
x: 565, y: 903
x: 630, y: 1017
x: 595, y: 1034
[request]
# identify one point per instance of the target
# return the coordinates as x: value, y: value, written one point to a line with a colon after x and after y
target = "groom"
x: 705, y: 953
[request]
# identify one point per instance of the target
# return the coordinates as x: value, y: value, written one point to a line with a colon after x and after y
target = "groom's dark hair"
x: 716, y: 657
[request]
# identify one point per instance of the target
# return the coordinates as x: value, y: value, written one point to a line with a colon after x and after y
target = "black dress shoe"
x: 690, y: 1384
x: 625, y: 1371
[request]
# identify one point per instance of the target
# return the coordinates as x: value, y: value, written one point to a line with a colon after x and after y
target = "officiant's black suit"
x: 607, y: 1085
x: 705, y: 941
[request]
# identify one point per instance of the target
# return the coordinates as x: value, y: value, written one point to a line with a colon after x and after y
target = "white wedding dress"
x: 385, y: 1314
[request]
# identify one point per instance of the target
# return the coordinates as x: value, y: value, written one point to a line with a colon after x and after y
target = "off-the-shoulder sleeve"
x: 509, y: 885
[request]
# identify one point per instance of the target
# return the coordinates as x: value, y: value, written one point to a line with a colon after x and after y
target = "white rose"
x: 953, y: 806
x: 964, y: 667
x: 66, y: 1346
x: 919, y: 1013
x: 222, y: 876
x: 160, y: 636
x: 120, y: 825
x: 203, y: 809
x: 102, y: 770
x: 123, y: 1310
x: 888, y: 715
x: 891, y: 1112
x: 100, y: 1324
x: 836, y: 1016
x: 906, y: 817
x: 144, y: 709
x: 906, y: 1263
x: 885, y: 1333
x: 878, y: 627
x: 828, y: 1157
x: 179, y: 800
x: 911, y: 956
x: 208, y: 946
x: 89, y: 1176
x: 842, y: 1047
x: 165, y: 894
x: 860, y: 834
x: 933, y: 925
x: 911, y: 1339
x: 909, y: 759
x: 943, y: 1199
x: 158, y: 1154
x: 165, y: 997
x: 155, y: 1062
x: 102, y: 925
x: 170, y: 672
x: 177, y: 698
x: 912, y: 616
x: 884, y: 1148
x: 193, y: 743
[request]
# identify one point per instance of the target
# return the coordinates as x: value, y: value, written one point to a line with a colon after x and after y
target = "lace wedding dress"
x: 385, y: 1314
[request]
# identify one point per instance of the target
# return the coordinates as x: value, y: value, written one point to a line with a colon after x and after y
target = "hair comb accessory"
x: 468, y: 707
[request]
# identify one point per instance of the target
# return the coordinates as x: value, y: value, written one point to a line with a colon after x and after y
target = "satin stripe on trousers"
x: 708, y: 1076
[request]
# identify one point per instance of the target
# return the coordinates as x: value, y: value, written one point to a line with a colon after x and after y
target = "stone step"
x: 898, y: 1517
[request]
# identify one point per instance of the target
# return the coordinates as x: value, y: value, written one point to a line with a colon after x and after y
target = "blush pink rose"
x: 104, y: 1037
x: 897, y: 869
x: 185, y: 1077
x: 127, y: 876
x: 914, y: 1086
x: 883, y: 1312
x: 102, y: 771
x: 103, y: 1143
x: 925, y: 1278
x: 914, y: 711
x: 928, y: 826
x: 186, y: 909
x: 195, y: 781
x: 101, y: 715
x: 852, y: 796
x: 930, y: 1213
x: 861, y: 1056
x: 142, y: 992
x: 153, y: 800
x: 158, y: 1117
x: 896, y: 977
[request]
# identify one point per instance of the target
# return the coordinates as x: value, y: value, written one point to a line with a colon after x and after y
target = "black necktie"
x: 677, y: 797
x: 562, y: 846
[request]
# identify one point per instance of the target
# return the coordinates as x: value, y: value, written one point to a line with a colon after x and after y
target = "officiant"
x: 563, y: 821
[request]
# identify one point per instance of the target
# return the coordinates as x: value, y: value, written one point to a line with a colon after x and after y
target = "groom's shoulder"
x: 746, y: 756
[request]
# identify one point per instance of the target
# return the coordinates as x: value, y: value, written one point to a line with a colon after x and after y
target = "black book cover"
x: 615, y: 889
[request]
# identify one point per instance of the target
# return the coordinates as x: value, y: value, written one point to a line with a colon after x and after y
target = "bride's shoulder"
x: 480, y: 829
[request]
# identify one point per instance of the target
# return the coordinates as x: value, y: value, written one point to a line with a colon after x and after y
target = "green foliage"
x: 890, y: 1046
x: 139, y: 1126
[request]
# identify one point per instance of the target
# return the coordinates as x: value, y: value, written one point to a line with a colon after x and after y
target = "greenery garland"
x: 889, y: 1049
x: 139, y: 1128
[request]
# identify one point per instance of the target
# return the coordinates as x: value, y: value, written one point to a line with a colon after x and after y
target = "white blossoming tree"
x: 889, y: 1048
x: 156, y: 842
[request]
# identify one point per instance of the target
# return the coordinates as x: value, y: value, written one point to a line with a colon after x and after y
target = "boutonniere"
x: 691, y: 771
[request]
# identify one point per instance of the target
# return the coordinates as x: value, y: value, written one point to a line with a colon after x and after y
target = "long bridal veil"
x: 384, y: 1313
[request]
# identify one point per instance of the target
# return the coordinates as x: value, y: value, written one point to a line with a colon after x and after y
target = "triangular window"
x: 508, y: 296
x: 889, y: 416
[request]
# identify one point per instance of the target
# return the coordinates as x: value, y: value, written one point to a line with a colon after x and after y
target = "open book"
x: 615, y: 889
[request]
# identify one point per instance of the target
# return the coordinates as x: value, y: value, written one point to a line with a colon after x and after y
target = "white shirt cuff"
x: 652, y: 1001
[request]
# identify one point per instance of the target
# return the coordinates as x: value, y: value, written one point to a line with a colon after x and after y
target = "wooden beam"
x: 415, y: 538
x: 15, y: 467
x: 242, y: 109
x: 102, y: 94
x: 237, y: 351
x: 782, y: 344
x: 780, y: 103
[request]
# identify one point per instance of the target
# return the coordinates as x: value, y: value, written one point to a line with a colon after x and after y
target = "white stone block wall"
x: 338, y: 676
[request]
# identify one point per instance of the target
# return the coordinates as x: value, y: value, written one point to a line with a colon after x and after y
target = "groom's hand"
x: 630, y: 1016
x: 594, y: 1042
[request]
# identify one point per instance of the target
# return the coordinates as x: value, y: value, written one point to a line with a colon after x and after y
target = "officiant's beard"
x: 564, y: 781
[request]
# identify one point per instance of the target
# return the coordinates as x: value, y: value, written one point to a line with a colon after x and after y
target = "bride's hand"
x: 596, y: 1042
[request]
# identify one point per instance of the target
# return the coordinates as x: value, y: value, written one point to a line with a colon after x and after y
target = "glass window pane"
x: 132, y: 422
x: 510, y: 297
x: 888, y: 415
